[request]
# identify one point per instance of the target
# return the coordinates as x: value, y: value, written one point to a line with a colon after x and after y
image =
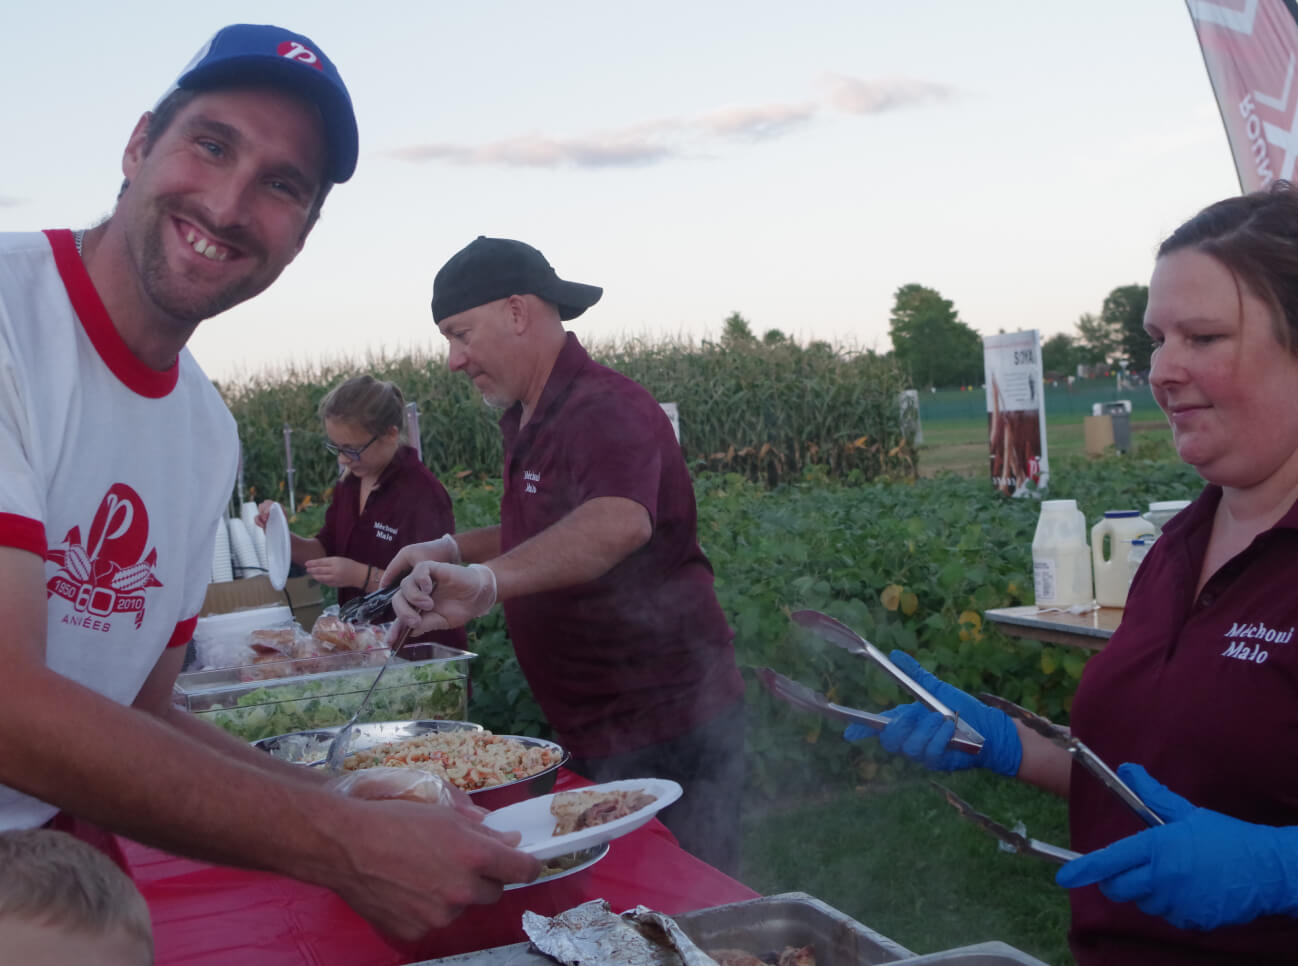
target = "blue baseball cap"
x: 245, y: 53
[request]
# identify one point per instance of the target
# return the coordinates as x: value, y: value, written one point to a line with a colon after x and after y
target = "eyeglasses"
x: 351, y: 452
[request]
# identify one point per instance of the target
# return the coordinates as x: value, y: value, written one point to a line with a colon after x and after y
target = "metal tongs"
x: 799, y: 695
x: 363, y: 610
x: 1014, y: 841
x: 1083, y: 755
x: 965, y: 738
x: 1020, y: 843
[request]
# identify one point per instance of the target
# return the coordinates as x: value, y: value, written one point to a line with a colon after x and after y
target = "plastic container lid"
x: 1169, y: 505
x: 240, y: 621
x: 1119, y: 514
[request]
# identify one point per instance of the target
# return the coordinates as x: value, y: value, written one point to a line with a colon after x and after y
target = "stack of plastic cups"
x: 222, y: 565
x: 248, y: 514
x: 246, y: 563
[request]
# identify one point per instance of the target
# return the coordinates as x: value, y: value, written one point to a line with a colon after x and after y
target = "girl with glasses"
x: 384, y: 499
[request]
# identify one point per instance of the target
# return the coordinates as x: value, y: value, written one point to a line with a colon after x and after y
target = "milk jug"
x: 1061, y: 562
x: 1160, y: 511
x: 1114, y: 570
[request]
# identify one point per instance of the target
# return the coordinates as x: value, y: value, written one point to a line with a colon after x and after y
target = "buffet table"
x: 206, y: 915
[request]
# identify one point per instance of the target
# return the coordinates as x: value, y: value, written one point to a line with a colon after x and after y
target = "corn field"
x: 771, y: 413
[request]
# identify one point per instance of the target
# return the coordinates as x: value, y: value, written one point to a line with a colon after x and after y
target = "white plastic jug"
x: 1160, y: 511
x: 1061, y: 561
x: 1114, y: 570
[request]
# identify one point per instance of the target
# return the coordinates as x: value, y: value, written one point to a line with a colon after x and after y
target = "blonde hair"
x: 370, y: 403
x: 54, y: 879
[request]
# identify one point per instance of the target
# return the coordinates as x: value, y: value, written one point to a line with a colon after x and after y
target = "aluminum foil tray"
x: 763, y: 925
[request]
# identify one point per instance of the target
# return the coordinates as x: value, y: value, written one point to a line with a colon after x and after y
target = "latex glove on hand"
x: 436, y: 596
x: 442, y: 550
x: 922, y: 735
x: 1201, y: 870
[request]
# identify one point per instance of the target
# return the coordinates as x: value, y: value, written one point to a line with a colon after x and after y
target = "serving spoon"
x: 363, y: 608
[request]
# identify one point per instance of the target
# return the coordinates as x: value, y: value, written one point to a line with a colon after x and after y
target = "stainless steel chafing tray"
x: 759, y: 925
x: 982, y: 954
x: 768, y: 924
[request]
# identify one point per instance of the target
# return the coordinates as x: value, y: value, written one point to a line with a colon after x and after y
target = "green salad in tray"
x: 417, y: 691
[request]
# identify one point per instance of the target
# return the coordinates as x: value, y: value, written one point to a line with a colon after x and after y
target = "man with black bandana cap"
x: 608, y: 597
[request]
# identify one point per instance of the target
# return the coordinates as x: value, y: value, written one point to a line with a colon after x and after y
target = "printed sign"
x: 1016, y: 411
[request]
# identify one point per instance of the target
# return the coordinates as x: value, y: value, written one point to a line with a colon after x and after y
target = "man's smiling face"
x: 221, y: 202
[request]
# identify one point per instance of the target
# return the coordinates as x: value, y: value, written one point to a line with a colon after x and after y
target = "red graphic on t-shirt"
x: 110, y: 572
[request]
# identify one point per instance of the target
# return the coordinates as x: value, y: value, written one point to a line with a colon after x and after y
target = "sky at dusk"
x: 797, y: 163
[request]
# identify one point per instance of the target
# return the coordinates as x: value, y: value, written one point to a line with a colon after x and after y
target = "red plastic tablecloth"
x: 205, y: 915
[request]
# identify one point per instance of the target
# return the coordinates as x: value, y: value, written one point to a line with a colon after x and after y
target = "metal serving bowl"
x: 309, y: 748
x: 520, y: 789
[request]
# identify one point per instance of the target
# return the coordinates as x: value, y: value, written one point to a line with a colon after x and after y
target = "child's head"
x: 64, y: 902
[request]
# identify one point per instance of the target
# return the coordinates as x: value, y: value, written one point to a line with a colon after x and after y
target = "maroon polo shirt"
x: 407, y: 505
x: 1204, y: 694
x: 642, y: 654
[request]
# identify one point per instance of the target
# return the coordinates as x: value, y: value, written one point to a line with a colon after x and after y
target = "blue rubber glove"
x: 922, y: 735
x: 1201, y: 870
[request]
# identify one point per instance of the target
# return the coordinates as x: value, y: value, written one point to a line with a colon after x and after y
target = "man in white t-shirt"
x: 117, y: 458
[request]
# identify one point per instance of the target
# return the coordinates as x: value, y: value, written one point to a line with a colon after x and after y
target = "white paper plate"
x: 279, y: 551
x: 591, y: 857
x: 533, y: 818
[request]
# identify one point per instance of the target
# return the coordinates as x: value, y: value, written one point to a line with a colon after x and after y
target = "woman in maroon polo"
x: 385, y: 499
x: 1198, y: 687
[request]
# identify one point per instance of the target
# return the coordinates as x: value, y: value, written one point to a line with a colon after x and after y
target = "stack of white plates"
x: 246, y: 563
x: 248, y: 514
x: 222, y: 564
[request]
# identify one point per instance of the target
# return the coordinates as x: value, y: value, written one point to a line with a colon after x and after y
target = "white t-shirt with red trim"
x: 115, y: 473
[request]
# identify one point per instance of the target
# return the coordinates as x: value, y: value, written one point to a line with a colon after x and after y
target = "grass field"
x: 898, y: 859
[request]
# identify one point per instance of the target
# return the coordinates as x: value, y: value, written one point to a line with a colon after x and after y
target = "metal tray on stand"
x: 768, y: 924
x: 982, y: 954
x: 761, y: 925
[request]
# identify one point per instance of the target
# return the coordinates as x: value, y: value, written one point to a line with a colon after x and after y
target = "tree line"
x: 931, y: 342
x: 938, y: 349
